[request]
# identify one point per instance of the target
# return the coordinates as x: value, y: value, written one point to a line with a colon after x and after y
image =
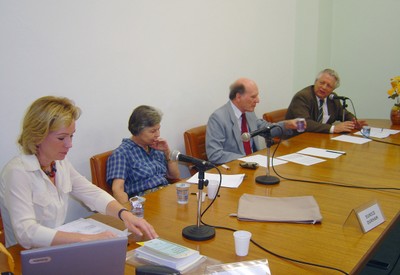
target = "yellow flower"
x: 394, y: 92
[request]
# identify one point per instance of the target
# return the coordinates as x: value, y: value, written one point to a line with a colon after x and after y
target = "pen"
x: 226, y: 166
x: 206, y: 194
x: 336, y: 152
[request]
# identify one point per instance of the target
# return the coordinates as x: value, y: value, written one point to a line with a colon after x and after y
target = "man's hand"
x: 292, y: 124
x: 346, y: 126
x: 358, y: 124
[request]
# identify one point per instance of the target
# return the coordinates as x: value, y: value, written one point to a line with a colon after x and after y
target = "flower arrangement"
x: 394, y: 92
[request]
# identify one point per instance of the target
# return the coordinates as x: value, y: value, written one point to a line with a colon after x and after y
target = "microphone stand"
x: 344, y: 109
x: 199, y: 232
x: 268, y: 179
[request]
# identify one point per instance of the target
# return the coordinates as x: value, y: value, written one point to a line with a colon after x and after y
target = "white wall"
x: 181, y: 56
x: 365, y: 50
x: 111, y: 56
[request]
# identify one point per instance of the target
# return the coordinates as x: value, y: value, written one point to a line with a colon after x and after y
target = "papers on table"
x: 325, y: 153
x: 301, y: 159
x: 90, y: 226
x: 230, y: 181
x: 243, y: 267
x: 170, y: 254
x: 380, y: 132
x: 262, y: 160
x: 351, y: 139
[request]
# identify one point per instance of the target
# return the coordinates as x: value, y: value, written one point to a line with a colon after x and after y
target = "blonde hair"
x: 46, y: 114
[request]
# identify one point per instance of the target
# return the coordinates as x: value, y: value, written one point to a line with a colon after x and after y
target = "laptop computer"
x: 93, y: 257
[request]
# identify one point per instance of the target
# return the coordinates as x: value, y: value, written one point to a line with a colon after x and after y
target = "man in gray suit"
x: 224, y: 127
x: 313, y: 104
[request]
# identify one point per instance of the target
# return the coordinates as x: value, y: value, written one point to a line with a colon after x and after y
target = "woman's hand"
x: 138, y: 226
x: 161, y: 144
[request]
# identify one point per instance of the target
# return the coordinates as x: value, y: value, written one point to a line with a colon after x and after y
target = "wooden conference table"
x: 337, y: 242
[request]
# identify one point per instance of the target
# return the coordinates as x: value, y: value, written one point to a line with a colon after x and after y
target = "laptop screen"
x: 93, y: 257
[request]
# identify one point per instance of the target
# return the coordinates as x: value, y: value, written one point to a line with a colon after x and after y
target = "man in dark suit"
x: 313, y: 104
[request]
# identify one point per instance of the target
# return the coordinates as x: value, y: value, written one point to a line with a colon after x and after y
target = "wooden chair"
x: 195, y: 144
x: 275, y: 116
x: 2, y: 236
x: 98, y: 167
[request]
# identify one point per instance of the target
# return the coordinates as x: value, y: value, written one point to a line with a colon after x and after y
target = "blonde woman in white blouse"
x: 35, y: 186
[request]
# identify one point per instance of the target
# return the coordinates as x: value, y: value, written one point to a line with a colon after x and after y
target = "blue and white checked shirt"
x: 140, y: 170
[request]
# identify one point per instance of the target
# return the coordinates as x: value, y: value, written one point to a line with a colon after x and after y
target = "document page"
x: 301, y: 159
x: 230, y: 181
x: 351, y: 139
x: 380, y: 132
x: 325, y: 153
x: 90, y: 226
x: 262, y: 160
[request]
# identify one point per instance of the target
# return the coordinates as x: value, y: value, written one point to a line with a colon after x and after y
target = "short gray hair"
x: 142, y: 117
x: 332, y: 73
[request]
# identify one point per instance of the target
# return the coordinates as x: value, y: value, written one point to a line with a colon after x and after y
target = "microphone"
x: 196, y: 232
x: 333, y: 96
x: 177, y: 156
x: 248, y: 136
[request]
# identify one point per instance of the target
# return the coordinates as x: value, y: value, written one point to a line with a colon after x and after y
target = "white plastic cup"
x: 242, y: 242
x: 137, y: 204
x: 182, y: 192
x: 212, y: 189
x: 301, y: 124
x: 366, y: 130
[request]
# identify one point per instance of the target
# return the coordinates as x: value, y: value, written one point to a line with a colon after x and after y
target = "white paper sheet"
x: 262, y: 160
x: 351, y: 139
x: 301, y: 159
x: 325, y: 153
x: 380, y: 132
x: 90, y: 226
x: 230, y: 181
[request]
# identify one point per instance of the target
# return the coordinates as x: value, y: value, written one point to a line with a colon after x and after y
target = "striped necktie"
x: 246, y: 144
x: 320, y: 110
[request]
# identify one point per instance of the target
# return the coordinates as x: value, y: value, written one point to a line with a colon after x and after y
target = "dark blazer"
x: 304, y: 104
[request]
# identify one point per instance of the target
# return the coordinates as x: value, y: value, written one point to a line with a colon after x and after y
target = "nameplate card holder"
x: 368, y: 215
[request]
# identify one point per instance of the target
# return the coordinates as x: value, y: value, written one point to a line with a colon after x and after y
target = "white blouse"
x: 32, y: 206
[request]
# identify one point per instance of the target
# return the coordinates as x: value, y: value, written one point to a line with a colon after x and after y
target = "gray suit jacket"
x: 223, y: 135
x: 304, y: 104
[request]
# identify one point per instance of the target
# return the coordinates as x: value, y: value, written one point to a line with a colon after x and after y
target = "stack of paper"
x: 90, y: 226
x: 246, y: 267
x: 380, y: 132
x: 170, y: 254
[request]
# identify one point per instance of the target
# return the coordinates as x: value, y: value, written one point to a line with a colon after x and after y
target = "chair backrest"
x: 98, y: 167
x: 2, y: 236
x: 275, y: 116
x: 195, y: 143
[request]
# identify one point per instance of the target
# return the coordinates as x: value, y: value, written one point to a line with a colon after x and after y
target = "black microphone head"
x: 246, y: 137
x: 174, y: 155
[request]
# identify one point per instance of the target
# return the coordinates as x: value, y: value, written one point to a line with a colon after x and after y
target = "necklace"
x: 53, y: 171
